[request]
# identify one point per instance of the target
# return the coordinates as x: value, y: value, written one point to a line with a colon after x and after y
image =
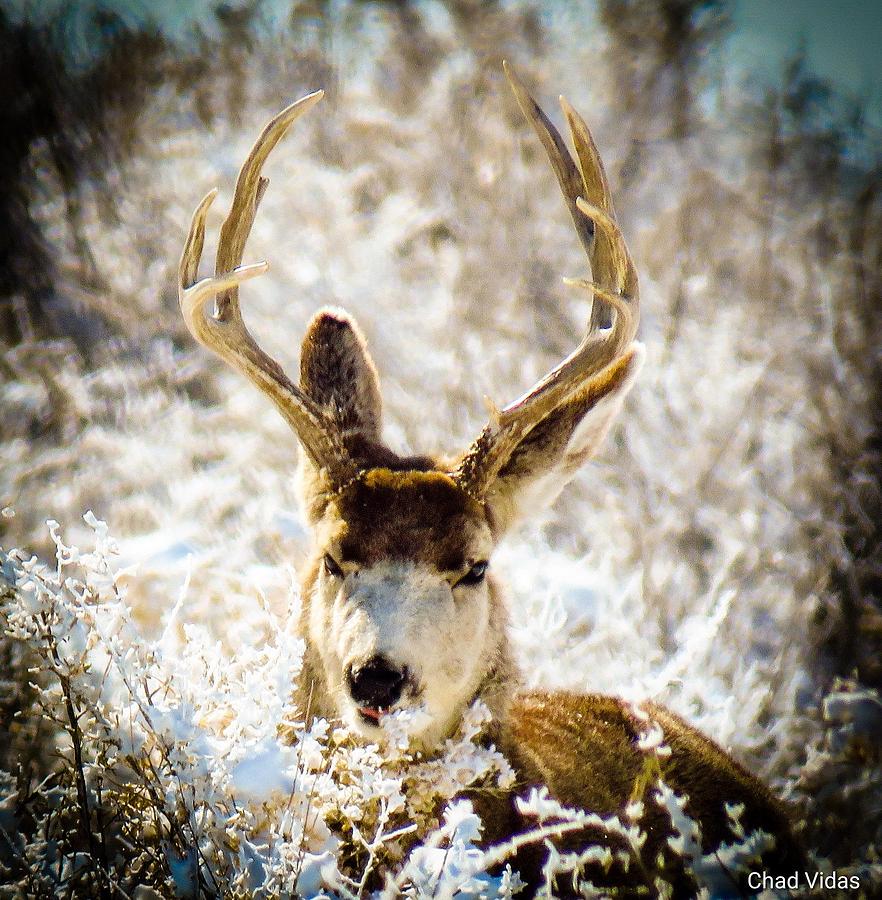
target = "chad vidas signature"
x: 762, y: 881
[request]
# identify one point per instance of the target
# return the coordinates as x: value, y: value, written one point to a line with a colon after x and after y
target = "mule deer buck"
x: 400, y: 607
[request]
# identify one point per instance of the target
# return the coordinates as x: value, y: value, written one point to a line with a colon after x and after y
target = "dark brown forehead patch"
x: 420, y: 516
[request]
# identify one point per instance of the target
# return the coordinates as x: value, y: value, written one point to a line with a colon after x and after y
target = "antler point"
x: 493, y: 410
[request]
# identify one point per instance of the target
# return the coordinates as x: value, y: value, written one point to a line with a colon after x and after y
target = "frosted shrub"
x: 185, y: 768
x: 195, y: 760
x: 717, y: 872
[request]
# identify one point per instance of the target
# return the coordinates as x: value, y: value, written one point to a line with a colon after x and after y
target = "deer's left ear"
x: 551, y: 452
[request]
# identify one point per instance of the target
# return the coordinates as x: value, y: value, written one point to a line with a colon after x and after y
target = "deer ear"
x: 337, y: 372
x: 554, y: 449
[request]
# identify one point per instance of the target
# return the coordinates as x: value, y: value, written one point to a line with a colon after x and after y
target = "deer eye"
x: 331, y: 566
x: 474, y: 576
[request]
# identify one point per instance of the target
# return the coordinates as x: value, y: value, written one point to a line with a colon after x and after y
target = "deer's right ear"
x: 337, y: 372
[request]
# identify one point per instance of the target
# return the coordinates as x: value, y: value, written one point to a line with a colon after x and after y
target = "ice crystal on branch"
x: 193, y: 757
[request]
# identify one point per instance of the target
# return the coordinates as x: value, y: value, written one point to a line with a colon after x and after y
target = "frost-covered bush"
x: 184, y: 766
x: 185, y: 769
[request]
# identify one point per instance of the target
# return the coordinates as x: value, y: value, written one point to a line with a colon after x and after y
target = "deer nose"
x: 376, y: 683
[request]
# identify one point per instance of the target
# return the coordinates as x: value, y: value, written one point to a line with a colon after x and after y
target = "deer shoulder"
x: 401, y: 607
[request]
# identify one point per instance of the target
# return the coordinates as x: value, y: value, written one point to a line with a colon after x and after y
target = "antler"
x: 603, y: 350
x: 224, y: 332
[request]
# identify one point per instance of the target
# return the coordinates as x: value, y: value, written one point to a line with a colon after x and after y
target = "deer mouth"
x: 371, y: 714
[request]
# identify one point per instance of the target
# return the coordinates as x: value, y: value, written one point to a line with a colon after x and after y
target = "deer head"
x: 399, y: 606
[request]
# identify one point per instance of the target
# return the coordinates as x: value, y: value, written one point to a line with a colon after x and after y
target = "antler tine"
x: 250, y: 188
x: 224, y: 332
x: 586, y: 191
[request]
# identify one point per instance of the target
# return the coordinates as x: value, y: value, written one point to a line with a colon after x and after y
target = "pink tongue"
x: 370, y: 712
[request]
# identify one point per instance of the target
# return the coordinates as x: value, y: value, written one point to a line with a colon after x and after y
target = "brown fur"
x: 336, y: 371
x: 583, y: 747
x: 420, y: 516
